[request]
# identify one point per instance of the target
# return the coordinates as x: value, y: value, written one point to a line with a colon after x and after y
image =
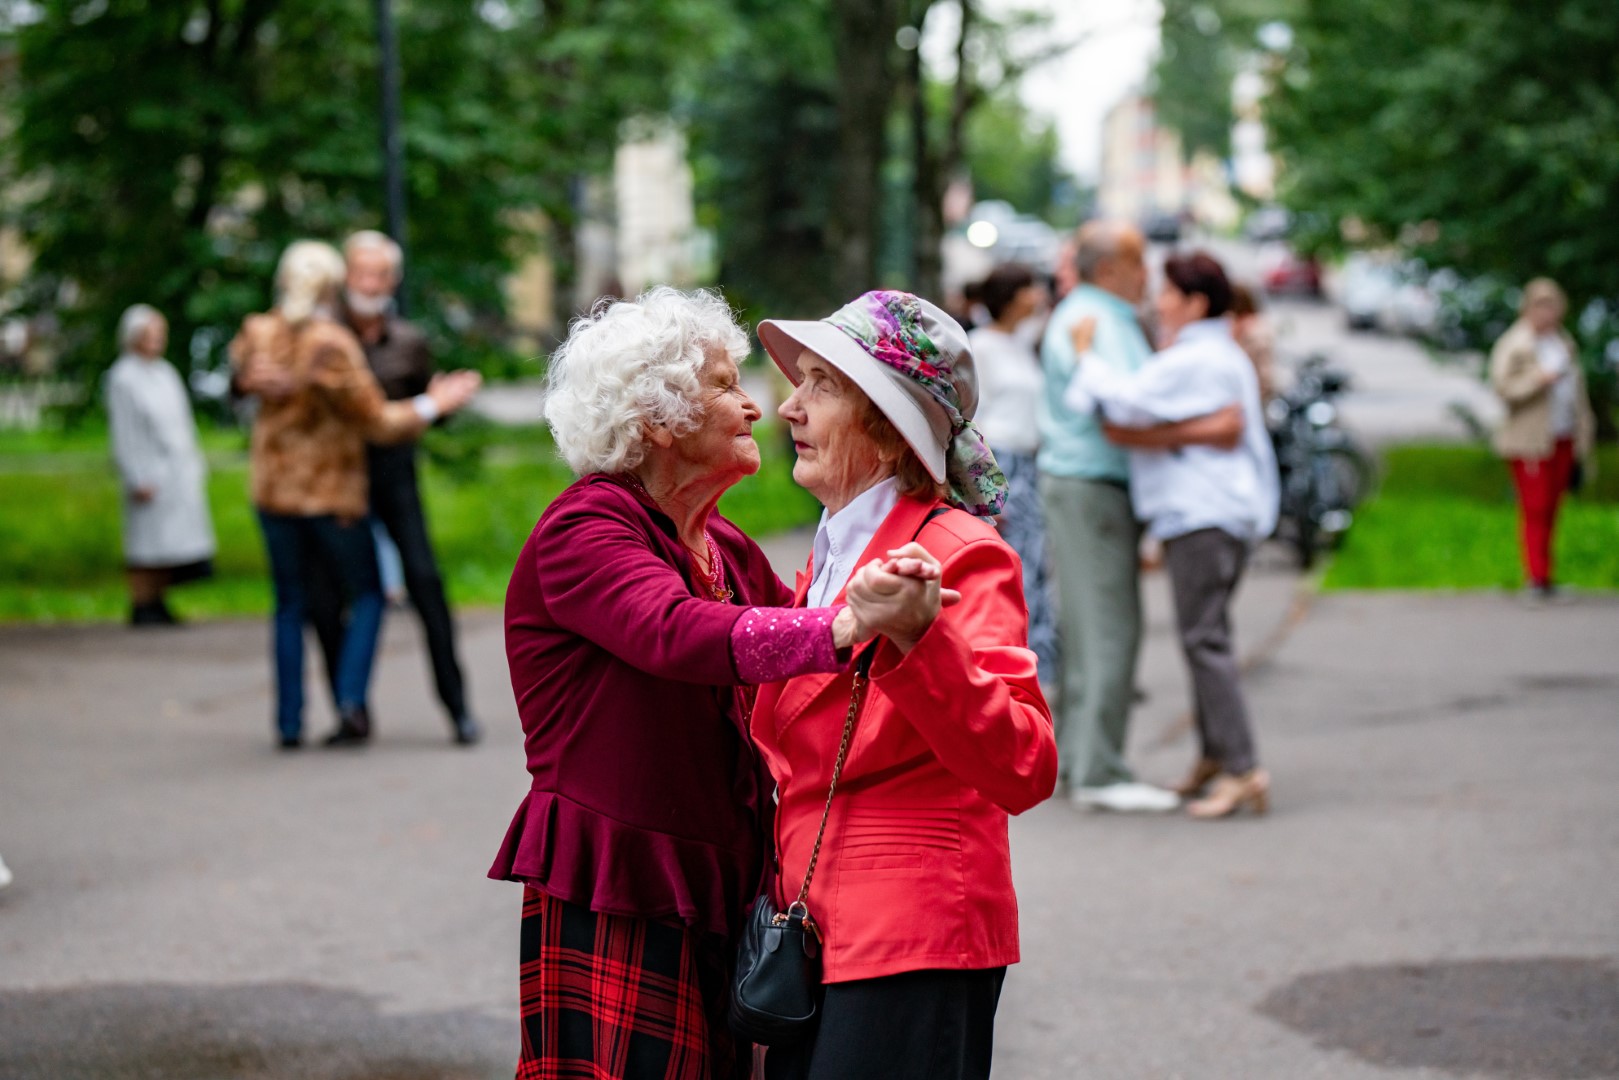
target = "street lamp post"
x: 392, y: 142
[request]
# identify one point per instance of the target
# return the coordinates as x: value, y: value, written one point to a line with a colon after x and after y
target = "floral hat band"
x: 913, y: 361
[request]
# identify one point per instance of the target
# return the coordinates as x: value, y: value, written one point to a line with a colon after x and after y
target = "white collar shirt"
x: 842, y: 537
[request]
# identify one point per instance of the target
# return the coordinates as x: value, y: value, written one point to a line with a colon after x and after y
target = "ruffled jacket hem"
x: 578, y: 855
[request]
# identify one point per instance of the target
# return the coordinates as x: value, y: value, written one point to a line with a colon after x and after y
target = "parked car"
x: 1284, y: 272
x: 1268, y: 224
x: 1412, y: 309
x: 1364, y: 287
x: 1162, y: 227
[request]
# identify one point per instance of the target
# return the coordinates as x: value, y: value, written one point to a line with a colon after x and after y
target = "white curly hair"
x: 308, y: 277
x: 631, y: 365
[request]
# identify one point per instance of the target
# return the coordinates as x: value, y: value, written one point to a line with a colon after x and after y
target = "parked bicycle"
x: 1324, y: 473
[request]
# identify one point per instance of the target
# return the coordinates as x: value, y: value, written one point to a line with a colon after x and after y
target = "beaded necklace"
x: 713, y: 579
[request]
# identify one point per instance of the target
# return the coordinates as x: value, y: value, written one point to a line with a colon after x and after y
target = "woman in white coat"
x: 168, y: 536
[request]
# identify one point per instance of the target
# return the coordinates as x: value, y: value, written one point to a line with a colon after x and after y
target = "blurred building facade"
x: 1143, y: 172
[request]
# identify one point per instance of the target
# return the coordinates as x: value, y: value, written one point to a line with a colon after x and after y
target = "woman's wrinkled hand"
x: 847, y: 628
x: 899, y: 597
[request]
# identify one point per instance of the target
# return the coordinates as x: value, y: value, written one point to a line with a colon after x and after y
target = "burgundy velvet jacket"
x: 647, y: 797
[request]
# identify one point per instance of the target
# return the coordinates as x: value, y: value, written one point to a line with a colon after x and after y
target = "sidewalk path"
x: 1433, y: 893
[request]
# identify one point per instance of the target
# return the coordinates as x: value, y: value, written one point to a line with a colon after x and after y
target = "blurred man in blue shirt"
x: 1093, y: 535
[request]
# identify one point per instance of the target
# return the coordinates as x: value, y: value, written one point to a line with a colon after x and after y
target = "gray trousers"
x: 1204, y: 568
x: 1093, y: 538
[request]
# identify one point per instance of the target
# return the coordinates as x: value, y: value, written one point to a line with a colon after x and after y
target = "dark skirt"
x: 917, y: 1025
x: 179, y: 575
x: 610, y: 997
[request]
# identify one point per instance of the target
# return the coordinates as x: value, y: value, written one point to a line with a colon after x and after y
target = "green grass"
x: 1446, y: 517
x: 60, y: 547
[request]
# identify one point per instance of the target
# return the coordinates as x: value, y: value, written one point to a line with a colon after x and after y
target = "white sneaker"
x: 5, y: 874
x: 1126, y: 798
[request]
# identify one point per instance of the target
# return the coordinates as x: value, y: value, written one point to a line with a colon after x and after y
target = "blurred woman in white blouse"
x: 1010, y: 382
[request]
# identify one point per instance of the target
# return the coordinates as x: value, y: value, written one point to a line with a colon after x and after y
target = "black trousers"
x: 918, y: 1025
x: 396, y: 502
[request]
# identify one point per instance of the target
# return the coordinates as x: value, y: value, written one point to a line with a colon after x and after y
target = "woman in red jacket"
x: 912, y: 891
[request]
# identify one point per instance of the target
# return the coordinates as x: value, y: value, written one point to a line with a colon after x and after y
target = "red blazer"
x: 916, y: 871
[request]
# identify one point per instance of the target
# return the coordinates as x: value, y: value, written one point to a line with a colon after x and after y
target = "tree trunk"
x: 927, y: 195
x: 864, y: 40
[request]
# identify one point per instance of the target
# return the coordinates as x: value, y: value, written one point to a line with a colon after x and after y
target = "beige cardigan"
x: 1515, y: 373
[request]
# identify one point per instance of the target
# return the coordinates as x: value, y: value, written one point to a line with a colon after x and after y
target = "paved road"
x: 1433, y: 896
x: 1434, y: 892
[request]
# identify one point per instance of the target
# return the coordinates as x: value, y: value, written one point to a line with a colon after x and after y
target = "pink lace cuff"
x: 772, y: 644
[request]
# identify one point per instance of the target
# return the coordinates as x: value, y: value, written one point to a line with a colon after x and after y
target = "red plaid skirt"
x: 608, y: 997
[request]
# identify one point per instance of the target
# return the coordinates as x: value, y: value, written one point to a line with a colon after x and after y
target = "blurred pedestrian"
x: 1550, y: 427
x: 1091, y: 529
x: 319, y: 406
x: 1210, y: 500
x: 635, y: 615
x: 398, y: 355
x: 168, y: 534
x: 912, y: 891
x: 1010, y: 383
x: 1254, y: 333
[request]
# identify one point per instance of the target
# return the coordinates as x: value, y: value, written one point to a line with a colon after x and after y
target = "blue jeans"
x: 350, y: 553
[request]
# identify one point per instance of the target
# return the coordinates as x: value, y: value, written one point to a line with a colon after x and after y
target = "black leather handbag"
x: 776, y: 987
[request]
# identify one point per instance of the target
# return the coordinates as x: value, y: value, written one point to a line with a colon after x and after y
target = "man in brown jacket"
x: 320, y: 405
x: 398, y: 356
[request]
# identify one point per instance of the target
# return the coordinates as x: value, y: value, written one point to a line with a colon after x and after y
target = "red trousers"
x: 1541, y: 484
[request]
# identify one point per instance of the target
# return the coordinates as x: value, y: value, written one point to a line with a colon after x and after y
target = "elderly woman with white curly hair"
x: 635, y: 617
x: 319, y: 406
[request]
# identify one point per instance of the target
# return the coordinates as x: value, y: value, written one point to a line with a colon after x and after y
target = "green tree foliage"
x: 1203, y: 44
x: 1013, y: 155
x: 1481, y: 132
x: 763, y: 122
x: 167, y: 152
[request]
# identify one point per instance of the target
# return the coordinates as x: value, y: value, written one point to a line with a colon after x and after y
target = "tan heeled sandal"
x: 1205, y: 770
x: 1228, y: 794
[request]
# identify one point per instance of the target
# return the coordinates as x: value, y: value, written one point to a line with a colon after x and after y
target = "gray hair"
x: 372, y: 240
x: 631, y: 365
x: 133, y: 323
x: 309, y: 274
x: 1098, y: 240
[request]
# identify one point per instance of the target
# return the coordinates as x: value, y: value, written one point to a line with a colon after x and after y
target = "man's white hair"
x: 308, y: 276
x: 372, y: 240
x: 632, y: 365
x: 133, y: 323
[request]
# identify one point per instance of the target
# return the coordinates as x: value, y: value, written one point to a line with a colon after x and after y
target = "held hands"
x: 266, y: 379
x: 899, y: 597
x: 1082, y: 334
x: 451, y: 390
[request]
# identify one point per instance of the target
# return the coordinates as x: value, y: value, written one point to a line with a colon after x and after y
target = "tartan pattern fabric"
x: 612, y: 997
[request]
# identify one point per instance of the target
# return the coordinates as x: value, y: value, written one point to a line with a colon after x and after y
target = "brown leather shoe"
x: 1228, y: 794
x: 1205, y: 770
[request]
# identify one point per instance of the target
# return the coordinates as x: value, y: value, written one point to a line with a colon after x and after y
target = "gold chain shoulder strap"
x: 857, y: 694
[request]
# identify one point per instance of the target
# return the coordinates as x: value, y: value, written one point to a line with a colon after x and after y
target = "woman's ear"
x: 656, y: 435
x: 1198, y: 306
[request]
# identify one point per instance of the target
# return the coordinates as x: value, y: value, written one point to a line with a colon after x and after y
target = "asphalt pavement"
x: 1433, y: 895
